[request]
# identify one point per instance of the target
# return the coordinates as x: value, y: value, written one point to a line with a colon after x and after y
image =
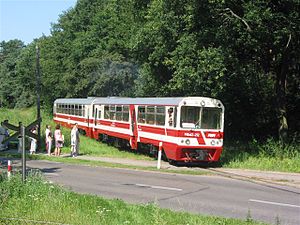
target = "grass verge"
x: 39, y: 200
x: 78, y: 161
x: 268, y: 156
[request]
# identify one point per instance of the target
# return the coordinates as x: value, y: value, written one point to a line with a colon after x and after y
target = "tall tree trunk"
x: 281, y: 81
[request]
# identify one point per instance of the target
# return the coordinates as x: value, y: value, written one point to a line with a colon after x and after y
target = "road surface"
x: 211, y: 195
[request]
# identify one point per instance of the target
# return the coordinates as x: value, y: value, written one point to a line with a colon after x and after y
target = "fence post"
x: 8, y: 169
x: 159, y: 155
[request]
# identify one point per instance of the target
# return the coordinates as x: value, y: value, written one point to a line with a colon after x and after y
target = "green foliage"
x: 9, y: 55
x: 244, y: 53
x: 269, y: 155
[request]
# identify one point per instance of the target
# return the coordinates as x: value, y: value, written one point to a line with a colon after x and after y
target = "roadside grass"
x: 269, y: 155
x: 77, y: 161
x: 38, y: 200
x: 92, y: 147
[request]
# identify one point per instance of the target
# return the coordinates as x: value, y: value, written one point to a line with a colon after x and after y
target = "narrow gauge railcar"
x: 187, y: 129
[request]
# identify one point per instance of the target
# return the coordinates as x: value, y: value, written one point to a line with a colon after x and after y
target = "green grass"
x: 39, y: 200
x: 92, y: 147
x: 269, y: 155
x: 87, y: 146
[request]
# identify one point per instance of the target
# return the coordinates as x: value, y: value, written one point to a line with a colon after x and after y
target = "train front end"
x: 200, y: 131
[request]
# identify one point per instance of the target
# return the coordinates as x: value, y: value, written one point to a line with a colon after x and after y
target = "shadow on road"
x: 50, y: 170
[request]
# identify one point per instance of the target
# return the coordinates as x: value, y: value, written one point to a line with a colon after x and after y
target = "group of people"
x: 58, y: 138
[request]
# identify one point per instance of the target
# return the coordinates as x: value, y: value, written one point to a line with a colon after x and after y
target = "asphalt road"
x: 211, y: 195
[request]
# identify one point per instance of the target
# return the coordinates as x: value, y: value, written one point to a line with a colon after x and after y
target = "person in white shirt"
x: 48, y: 139
x: 75, y: 141
x: 33, y: 142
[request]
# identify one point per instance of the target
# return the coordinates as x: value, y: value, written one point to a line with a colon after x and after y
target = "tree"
x: 9, y: 54
x: 264, y: 35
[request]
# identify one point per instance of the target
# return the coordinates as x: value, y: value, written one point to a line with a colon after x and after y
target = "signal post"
x: 22, y: 131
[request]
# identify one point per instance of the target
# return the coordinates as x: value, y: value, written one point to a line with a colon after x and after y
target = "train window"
x: 112, y: 108
x: 76, y: 110
x: 200, y: 118
x: 125, y: 108
x: 211, y: 118
x: 64, y: 109
x: 160, y: 115
x: 106, y: 112
x: 99, y: 114
x: 72, y: 109
x: 150, y: 109
x: 112, y: 112
x: 150, y: 115
x: 83, y: 110
x: 119, y: 113
x: 190, y: 115
x: 160, y: 109
x: 125, y: 113
x: 79, y: 110
x: 141, y: 114
x: 126, y: 116
x: 150, y: 118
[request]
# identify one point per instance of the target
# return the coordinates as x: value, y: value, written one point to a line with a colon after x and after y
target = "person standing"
x: 58, y: 140
x: 2, y: 137
x: 48, y: 139
x: 33, y: 142
x: 75, y: 141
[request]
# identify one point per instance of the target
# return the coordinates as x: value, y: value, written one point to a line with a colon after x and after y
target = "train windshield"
x: 200, y: 117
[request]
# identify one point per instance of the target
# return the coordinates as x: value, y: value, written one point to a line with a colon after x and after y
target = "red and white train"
x: 186, y: 129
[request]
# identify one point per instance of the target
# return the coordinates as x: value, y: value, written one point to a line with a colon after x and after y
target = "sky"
x: 29, y: 19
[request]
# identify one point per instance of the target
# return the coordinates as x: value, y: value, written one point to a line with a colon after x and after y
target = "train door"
x: 96, y: 114
x: 95, y: 118
x: 134, y: 137
x: 171, y: 117
x: 88, y: 116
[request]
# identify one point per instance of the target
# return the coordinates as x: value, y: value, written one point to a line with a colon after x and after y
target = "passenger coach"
x: 186, y: 129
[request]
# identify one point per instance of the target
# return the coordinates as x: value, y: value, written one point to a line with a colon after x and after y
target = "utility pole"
x: 38, y: 90
x: 22, y: 132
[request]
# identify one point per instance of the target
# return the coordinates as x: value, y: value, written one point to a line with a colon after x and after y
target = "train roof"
x: 80, y: 101
x: 171, y: 101
x: 139, y: 101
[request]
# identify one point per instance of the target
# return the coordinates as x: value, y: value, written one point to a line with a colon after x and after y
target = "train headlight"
x: 213, y: 142
x: 202, y: 103
x: 187, y: 142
